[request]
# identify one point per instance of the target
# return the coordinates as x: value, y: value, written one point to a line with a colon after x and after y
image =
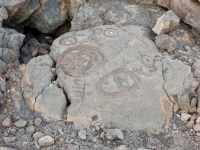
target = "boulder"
x: 109, y: 74
x: 128, y: 14
x: 74, y: 7
x: 37, y: 76
x: 24, y: 12
x: 166, y: 23
x: 165, y: 42
x: 85, y: 18
x: 46, y: 21
x: 51, y: 103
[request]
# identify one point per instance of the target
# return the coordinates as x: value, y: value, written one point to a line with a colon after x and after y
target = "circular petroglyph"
x: 97, y: 31
x: 80, y: 60
x: 67, y: 41
x: 111, y: 32
x: 118, y: 83
x: 147, y: 60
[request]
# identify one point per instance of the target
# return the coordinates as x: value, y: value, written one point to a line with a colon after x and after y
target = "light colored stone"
x: 51, y: 103
x: 175, y: 107
x: 46, y: 141
x: 190, y: 124
x: 20, y: 123
x: 7, y: 148
x: 198, y: 120
x: 167, y: 22
x: 6, y: 122
x: 37, y: 135
x: 185, y: 116
x: 178, y: 83
x: 37, y: 122
x: 121, y: 147
x: 37, y: 76
x: 99, y: 82
x: 82, y: 134
x: 2, y: 85
x: 165, y: 42
x: 196, y: 127
x: 114, y: 134
x: 8, y: 139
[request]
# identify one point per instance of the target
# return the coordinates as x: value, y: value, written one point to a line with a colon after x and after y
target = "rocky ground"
x: 118, y: 74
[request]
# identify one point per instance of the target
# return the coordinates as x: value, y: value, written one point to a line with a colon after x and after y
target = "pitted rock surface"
x: 112, y: 75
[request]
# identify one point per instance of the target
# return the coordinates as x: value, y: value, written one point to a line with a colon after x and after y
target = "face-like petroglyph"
x: 68, y: 41
x: 118, y: 83
x: 80, y: 60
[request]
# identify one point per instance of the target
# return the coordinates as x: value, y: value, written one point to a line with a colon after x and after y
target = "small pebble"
x: 196, y: 127
x: 8, y: 139
x: 6, y: 122
x: 46, y: 141
x: 197, y: 139
x: 20, y: 123
x: 185, y: 116
x: 121, y: 147
x: 37, y: 135
x: 38, y: 122
x: 82, y: 134
x: 190, y: 124
x: 114, y: 134
x: 30, y: 130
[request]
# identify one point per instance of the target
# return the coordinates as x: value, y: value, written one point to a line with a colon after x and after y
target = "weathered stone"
x: 188, y: 11
x: 121, y: 147
x: 37, y: 135
x: 37, y: 122
x: 178, y: 85
x: 164, y: 3
x: 51, y: 103
x: 37, y: 76
x: 46, y: 141
x: 3, y: 13
x: 196, y: 127
x: 166, y: 23
x: 190, y: 124
x: 128, y: 14
x: 196, y: 67
x: 13, y: 6
x: 30, y: 130
x: 8, y: 139
x: 198, y: 120
x: 7, y: 148
x: 197, y: 139
x: 74, y: 6
x: 85, y: 18
x: 2, y: 85
x: 20, y: 123
x: 50, y: 21
x: 25, y: 12
x: 99, y: 82
x: 6, y: 122
x: 114, y: 134
x: 165, y: 42
x: 185, y: 117
x: 82, y: 134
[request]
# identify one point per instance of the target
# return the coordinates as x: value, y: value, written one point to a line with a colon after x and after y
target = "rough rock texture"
x: 37, y: 76
x: 165, y: 42
x: 46, y: 141
x: 128, y: 14
x: 25, y: 12
x: 188, y: 11
x: 180, y: 86
x: 13, y: 6
x: 74, y: 7
x: 51, y: 103
x: 3, y: 12
x: 166, y: 23
x: 85, y: 18
x: 10, y: 43
x: 50, y: 21
x: 98, y: 81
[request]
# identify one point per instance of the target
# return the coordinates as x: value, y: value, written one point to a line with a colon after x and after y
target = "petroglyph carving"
x: 118, y: 83
x: 80, y: 60
x: 67, y: 41
x: 111, y: 32
x: 97, y: 31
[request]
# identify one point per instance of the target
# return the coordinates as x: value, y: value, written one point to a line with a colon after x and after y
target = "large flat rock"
x: 112, y: 75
